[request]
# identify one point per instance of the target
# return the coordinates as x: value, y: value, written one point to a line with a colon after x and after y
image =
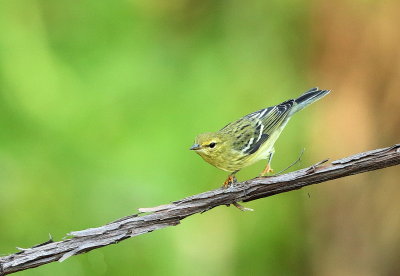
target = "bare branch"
x: 171, y: 214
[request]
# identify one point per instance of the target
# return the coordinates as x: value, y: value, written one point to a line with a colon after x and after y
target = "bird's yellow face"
x: 211, y: 146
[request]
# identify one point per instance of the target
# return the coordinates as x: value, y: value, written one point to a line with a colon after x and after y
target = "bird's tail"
x: 308, y: 98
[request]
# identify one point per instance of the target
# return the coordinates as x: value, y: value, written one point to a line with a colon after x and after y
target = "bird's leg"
x: 230, y: 180
x: 268, y: 168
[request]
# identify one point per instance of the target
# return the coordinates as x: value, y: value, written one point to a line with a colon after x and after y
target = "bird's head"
x: 210, y: 144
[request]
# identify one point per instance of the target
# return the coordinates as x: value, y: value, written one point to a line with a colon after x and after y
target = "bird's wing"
x: 254, y: 129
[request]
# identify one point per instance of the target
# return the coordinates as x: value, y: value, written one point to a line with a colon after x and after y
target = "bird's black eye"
x: 211, y: 145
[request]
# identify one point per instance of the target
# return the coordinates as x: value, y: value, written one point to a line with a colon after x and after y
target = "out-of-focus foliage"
x: 100, y: 101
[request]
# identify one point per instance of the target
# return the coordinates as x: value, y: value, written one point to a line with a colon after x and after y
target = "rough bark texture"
x: 171, y: 214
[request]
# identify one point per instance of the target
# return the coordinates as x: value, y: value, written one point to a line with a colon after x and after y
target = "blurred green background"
x: 100, y: 101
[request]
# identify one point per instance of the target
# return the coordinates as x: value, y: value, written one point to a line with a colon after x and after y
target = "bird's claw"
x: 266, y: 171
x: 229, y: 181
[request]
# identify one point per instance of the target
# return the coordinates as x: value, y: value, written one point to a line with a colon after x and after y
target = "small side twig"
x: 294, y: 163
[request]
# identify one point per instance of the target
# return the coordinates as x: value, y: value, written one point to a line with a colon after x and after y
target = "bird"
x: 251, y: 138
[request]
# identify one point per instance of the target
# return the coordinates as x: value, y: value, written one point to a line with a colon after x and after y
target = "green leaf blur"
x: 101, y: 100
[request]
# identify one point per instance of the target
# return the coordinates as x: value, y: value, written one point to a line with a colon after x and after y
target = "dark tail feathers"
x: 308, y: 98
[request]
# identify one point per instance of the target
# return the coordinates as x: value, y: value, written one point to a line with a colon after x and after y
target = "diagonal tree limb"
x: 171, y: 214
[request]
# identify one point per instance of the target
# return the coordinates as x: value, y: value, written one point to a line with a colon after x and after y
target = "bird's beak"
x: 195, y: 147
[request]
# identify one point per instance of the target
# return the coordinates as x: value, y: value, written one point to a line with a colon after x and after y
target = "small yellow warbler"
x: 252, y: 137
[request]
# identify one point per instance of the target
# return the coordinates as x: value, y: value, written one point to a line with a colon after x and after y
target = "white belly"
x: 268, y: 146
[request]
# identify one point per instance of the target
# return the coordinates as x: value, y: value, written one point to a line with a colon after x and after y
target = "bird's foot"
x: 229, y: 181
x: 267, y: 170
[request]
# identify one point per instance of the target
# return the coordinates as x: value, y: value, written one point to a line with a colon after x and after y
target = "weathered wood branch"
x: 171, y: 214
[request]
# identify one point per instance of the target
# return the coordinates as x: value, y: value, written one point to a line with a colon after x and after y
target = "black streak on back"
x: 257, y: 145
